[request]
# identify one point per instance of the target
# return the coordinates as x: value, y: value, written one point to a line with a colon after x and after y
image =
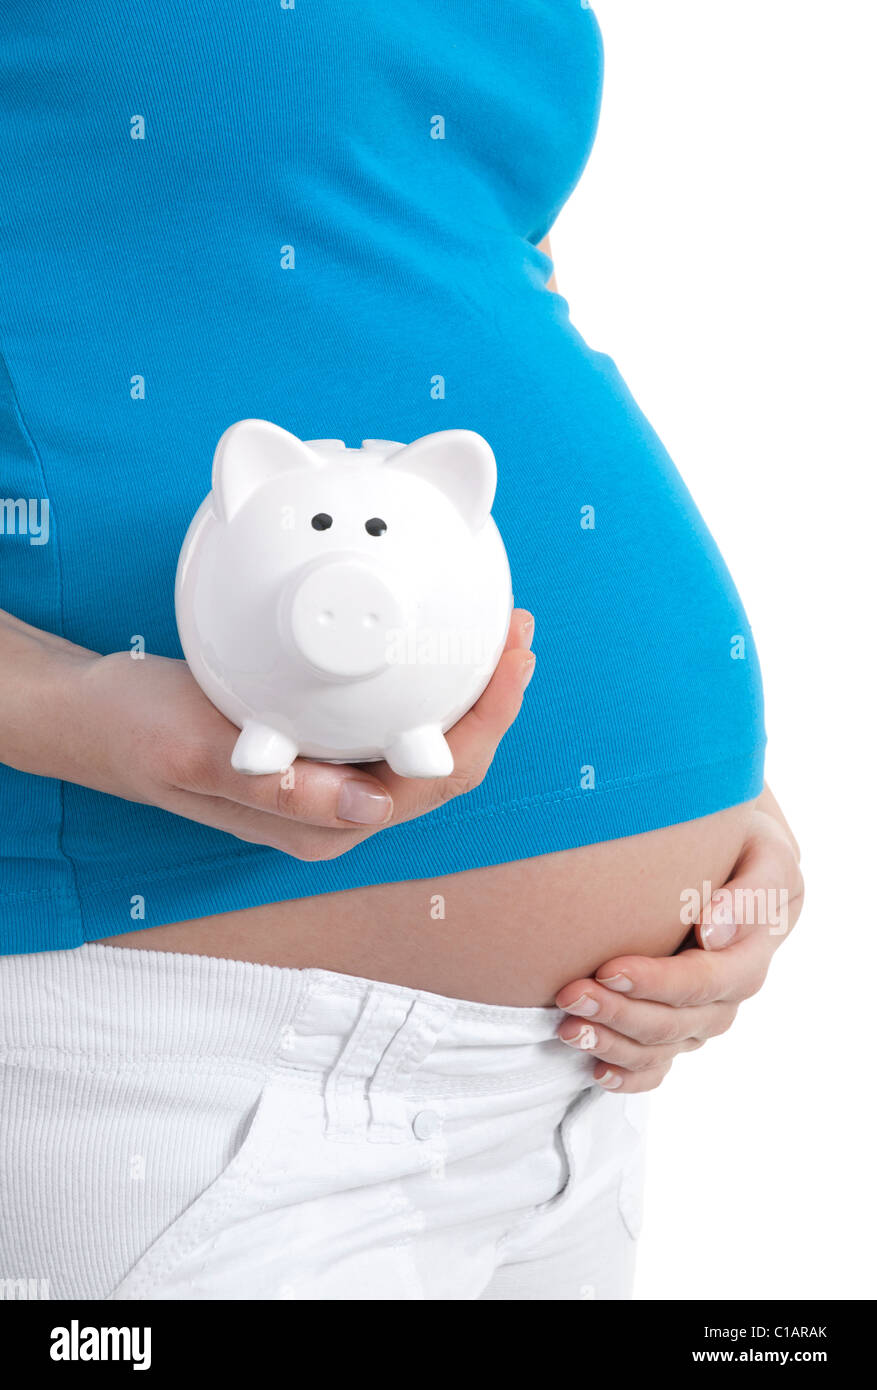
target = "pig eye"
x: 321, y: 522
x: 375, y: 526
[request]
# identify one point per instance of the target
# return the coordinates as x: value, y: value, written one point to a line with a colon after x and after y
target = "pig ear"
x: 460, y: 464
x: 249, y: 454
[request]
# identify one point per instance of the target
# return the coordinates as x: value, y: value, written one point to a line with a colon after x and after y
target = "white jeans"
x: 179, y: 1127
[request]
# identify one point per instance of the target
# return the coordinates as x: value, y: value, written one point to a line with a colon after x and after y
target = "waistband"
x: 117, y: 1006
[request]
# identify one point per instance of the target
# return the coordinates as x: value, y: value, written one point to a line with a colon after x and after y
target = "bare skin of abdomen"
x: 511, y: 934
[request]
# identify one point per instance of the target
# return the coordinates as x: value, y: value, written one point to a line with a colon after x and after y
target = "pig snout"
x: 342, y: 614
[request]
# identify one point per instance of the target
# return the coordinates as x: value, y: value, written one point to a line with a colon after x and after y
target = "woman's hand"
x: 638, y: 1013
x: 142, y: 729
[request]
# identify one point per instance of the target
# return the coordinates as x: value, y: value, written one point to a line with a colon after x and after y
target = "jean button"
x: 426, y: 1124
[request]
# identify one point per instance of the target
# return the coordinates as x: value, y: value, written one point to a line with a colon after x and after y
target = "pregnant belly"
x: 510, y: 934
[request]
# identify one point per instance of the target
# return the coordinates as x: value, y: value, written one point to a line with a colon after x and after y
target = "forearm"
x: 35, y: 684
x: 767, y: 803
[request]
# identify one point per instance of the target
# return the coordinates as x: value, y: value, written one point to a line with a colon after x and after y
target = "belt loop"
x: 413, y: 1043
x: 347, y: 1110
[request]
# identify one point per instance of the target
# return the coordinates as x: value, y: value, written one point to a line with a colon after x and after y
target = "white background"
x: 721, y: 248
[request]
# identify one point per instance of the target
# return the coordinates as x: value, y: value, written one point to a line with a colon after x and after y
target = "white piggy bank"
x: 344, y: 604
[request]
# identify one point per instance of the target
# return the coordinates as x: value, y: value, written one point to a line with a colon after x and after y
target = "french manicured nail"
x: 722, y: 907
x: 715, y: 935
x: 584, y: 1038
x: 585, y: 1006
x: 528, y: 671
x: 721, y: 927
x: 610, y: 1079
x: 360, y: 803
x: 622, y: 983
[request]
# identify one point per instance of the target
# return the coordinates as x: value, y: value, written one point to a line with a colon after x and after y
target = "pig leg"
x: 422, y: 752
x: 260, y: 750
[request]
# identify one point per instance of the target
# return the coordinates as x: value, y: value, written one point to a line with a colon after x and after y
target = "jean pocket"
x: 630, y: 1199
x: 601, y: 1134
x: 630, y: 1186
x: 204, y: 1213
x: 574, y: 1141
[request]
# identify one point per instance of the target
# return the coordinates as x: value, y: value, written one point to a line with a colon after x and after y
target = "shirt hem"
x: 502, y: 832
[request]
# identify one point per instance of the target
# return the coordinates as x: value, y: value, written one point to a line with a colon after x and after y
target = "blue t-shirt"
x: 328, y: 216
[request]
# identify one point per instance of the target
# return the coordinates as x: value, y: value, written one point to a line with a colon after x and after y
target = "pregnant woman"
x: 269, y: 1037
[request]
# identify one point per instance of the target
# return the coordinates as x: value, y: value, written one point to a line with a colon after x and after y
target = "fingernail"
x: 622, y: 983
x: 359, y: 802
x: 720, y: 928
x: 715, y: 935
x: 585, y: 1007
x: 721, y: 910
x: 610, y: 1079
x: 527, y: 630
x: 528, y: 671
x: 584, y: 1038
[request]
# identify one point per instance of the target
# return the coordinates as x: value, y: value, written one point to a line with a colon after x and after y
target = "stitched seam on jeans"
x: 237, y: 1177
x: 409, y: 1043
x: 460, y: 1007
x: 86, y: 1063
x: 552, y: 1204
x: 340, y: 1082
x: 190, y: 1226
x: 452, y: 1088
